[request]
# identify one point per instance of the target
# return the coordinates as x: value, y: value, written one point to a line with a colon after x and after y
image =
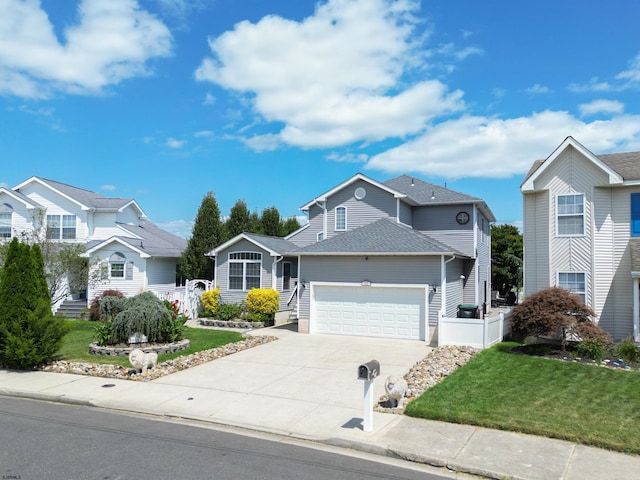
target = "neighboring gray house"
x: 375, y: 259
x: 582, y: 231
x: 132, y: 253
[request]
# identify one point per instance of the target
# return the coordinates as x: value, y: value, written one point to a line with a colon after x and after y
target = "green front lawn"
x: 581, y: 403
x: 75, y: 345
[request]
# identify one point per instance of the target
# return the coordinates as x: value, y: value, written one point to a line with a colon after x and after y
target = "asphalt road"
x: 40, y: 440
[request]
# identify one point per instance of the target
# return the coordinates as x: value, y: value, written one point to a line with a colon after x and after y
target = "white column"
x: 367, y: 424
x: 636, y: 309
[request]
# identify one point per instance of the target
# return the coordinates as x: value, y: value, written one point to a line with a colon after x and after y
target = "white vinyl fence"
x: 188, y: 297
x: 473, y: 332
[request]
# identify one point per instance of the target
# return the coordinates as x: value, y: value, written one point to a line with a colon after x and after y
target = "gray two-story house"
x: 380, y: 259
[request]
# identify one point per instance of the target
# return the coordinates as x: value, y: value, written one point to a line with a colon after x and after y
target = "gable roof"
x: 86, y: 199
x: 20, y: 197
x: 607, y: 163
x: 382, y: 237
x: 356, y: 177
x: 276, y: 246
x: 146, y: 239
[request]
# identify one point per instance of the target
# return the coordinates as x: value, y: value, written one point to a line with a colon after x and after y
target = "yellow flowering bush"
x: 262, y: 304
x: 210, y: 300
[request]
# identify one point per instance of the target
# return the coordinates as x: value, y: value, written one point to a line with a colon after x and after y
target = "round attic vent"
x: 360, y: 193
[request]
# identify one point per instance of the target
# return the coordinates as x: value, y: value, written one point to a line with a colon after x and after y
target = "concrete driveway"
x: 300, y: 383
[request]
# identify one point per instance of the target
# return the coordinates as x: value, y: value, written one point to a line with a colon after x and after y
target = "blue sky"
x: 275, y: 102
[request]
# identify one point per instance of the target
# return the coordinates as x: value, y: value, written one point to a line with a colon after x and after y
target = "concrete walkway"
x: 305, y: 386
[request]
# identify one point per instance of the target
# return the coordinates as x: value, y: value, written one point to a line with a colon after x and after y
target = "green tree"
x: 289, y: 225
x: 239, y: 220
x: 207, y: 234
x: 506, y: 253
x: 29, y: 333
x: 270, y: 221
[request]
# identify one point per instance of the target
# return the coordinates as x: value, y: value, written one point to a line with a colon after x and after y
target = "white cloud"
x: 173, y: 143
x: 494, y: 148
x: 112, y: 41
x: 632, y: 75
x: 108, y: 188
x: 336, y: 77
x: 347, y: 157
x: 263, y: 143
x: 594, y: 85
x: 601, y: 106
x: 203, y: 133
x: 181, y: 228
x: 538, y: 89
x: 209, y: 99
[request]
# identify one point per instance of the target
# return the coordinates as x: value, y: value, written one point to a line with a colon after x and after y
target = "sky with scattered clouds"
x: 275, y: 102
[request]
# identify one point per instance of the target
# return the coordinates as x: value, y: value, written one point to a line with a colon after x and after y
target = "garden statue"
x: 396, y: 390
x: 141, y: 361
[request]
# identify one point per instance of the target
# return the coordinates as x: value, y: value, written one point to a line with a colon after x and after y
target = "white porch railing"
x: 188, y: 297
x: 473, y: 332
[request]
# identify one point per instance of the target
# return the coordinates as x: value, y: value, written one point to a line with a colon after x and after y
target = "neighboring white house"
x: 582, y: 231
x: 132, y: 253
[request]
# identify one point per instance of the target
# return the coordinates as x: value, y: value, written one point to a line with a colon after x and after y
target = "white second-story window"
x: 6, y: 213
x: 570, y: 215
x: 61, y: 227
x: 341, y: 218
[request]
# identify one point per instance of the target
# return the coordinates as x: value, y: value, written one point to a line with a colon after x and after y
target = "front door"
x: 286, y: 276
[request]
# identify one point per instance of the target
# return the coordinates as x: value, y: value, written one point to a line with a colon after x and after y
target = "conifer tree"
x: 270, y: 221
x: 239, y: 220
x: 207, y: 234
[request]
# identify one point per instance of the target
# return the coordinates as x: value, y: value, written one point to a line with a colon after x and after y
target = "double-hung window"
x: 635, y: 214
x: 570, y: 215
x: 61, y: 227
x: 574, y: 282
x: 5, y: 224
x: 341, y: 218
x: 117, y: 265
x: 244, y: 270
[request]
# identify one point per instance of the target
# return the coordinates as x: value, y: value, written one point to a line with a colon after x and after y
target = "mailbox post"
x: 368, y: 372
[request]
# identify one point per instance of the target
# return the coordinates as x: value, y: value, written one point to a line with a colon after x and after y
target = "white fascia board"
x: 379, y: 254
x: 346, y: 183
x: 614, y: 177
x: 136, y: 206
x: 306, y: 225
x: 29, y: 204
x: 55, y: 190
x: 128, y: 232
x: 116, y: 240
x: 236, y: 239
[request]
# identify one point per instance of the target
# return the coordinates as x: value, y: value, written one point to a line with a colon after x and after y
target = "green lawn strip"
x: 580, y: 403
x: 75, y: 345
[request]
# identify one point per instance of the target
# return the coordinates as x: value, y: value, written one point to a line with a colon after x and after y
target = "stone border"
x: 230, y: 324
x: 95, y: 349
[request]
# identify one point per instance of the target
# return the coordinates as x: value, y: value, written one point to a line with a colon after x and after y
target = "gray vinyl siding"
x: 456, y: 287
x: 284, y: 294
x: 310, y: 234
x: 536, y: 242
x: 406, y: 214
x: 377, y: 270
x: 482, y: 266
x: 161, y: 274
x: 375, y: 205
x: 439, y: 222
x: 222, y: 271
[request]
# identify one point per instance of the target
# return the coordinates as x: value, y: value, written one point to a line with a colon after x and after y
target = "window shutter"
x: 635, y: 214
x: 128, y: 275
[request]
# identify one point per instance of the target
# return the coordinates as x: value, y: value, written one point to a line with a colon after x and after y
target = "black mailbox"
x: 369, y: 370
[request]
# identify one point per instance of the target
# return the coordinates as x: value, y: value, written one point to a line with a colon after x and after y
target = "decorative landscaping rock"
x: 95, y: 349
x: 230, y: 324
x: 435, y: 367
x: 164, y: 368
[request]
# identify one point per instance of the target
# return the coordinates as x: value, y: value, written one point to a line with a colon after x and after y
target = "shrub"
x: 110, y: 307
x: 146, y: 314
x: 29, y: 333
x: 593, y: 349
x: 228, y: 311
x: 628, y: 351
x: 210, y: 300
x: 553, y: 312
x: 102, y: 333
x: 94, y: 308
x: 263, y: 300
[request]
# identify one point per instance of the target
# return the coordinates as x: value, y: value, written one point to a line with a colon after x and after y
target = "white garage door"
x: 391, y: 312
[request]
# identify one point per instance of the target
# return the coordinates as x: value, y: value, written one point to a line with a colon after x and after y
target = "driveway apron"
x: 302, y: 384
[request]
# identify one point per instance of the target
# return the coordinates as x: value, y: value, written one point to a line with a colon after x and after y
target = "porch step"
x: 72, y: 309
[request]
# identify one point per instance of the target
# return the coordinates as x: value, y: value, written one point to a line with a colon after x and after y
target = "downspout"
x: 475, y: 254
x: 636, y: 309
x: 443, y: 284
x: 324, y: 217
x: 274, y: 271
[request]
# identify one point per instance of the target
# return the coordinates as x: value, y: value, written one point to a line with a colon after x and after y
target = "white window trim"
x: 61, y: 227
x: 335, y: 220
x: 582, y: 294
x: 319, y: 236
x: 244, y: 262
x: 9, y: 225
x: 119, y: 259
x: 559, y: 215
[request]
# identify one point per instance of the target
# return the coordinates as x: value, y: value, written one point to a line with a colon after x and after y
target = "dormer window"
x: 341, y: 218
x: 6, y: 211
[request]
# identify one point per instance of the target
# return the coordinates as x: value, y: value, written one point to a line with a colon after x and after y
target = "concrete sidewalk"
x: 304, y: 386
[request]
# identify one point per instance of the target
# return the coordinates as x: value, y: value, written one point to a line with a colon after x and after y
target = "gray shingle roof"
x: 155, y: 241
x: 87, y: 197
x: 276, y: 244
x: 383, y: 237
x: 425, y: 193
